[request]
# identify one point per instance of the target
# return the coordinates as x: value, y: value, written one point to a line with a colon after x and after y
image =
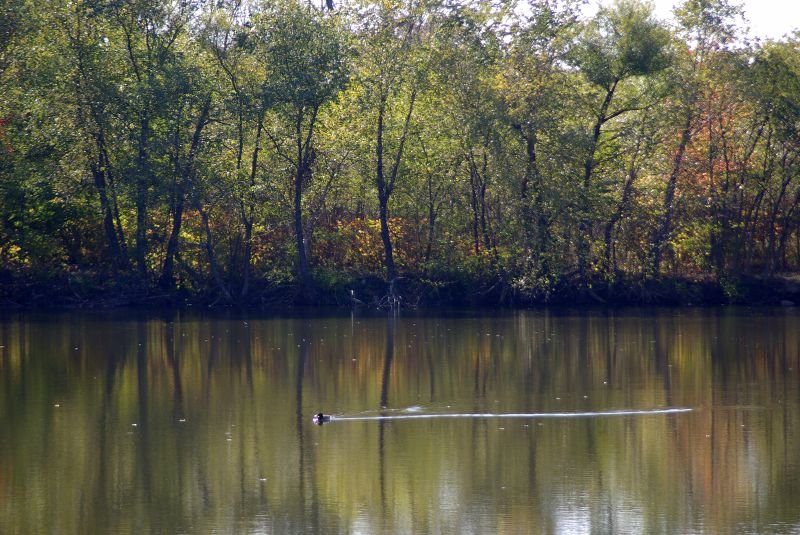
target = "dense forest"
x: 393, y: 151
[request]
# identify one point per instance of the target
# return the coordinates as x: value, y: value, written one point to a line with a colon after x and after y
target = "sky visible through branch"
x: 768, y: 19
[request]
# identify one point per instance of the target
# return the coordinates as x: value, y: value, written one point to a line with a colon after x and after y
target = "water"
x: 554, y: 421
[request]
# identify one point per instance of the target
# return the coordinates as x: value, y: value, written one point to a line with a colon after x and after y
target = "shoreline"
x: 409, y: 293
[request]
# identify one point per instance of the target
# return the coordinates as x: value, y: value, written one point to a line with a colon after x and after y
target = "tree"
x: 707, y: 26
x: 776, y: 88
x: 306, y: 58
x: 150, y: 32
x: 392, y: 34
x: 228, y: 35
x: 96, y: 106
x: 471, y: 53
x: 622, y: 43
x: 536, y: 93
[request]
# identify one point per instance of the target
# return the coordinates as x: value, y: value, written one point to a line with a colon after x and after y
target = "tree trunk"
x: 787, y: 229
x: 212, y: 257
x: 386, y: 186
x: 303, y: 268
x: 167, y: 274
x: 183, y: 176
x: 487, y: 243
x: 99, y: 170
x: 391, y: 272
x: 142, y: 184
x: 383, y: 195
x: 101, y: 167
x: 665, y: 225
x: 786, y: 164
x: 302, y: 174
x: 473, y: 201
x: 585, y: 224
x: 531, y: 172
x: 247, y: 213
x: 431, y: 224
x: 622, y: 209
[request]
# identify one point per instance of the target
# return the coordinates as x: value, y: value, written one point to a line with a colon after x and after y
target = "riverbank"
x: 81, y: 291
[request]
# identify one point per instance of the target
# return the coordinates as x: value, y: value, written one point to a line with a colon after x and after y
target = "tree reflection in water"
x: 223, y: 439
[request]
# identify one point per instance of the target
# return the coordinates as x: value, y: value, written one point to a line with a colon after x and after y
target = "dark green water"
x: 184, y: 423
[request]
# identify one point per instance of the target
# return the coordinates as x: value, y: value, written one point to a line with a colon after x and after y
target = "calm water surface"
x: 185, y: 423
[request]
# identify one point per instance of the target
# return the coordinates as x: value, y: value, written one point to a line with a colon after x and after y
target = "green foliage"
x: 305, y: 56
x: 621, y: 42
x: 225, y: 147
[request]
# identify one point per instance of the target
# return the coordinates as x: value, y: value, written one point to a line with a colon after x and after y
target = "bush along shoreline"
x: 82, y: 292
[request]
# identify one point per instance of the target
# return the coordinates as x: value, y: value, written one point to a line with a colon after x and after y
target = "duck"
x: 320, y: 418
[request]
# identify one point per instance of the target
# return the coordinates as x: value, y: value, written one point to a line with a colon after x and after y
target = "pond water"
x: 131, y: 422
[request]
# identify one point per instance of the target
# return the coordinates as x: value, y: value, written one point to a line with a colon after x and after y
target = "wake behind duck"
x: 321, y: 418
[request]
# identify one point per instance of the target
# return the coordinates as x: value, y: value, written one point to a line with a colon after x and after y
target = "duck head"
x: 320, y: 418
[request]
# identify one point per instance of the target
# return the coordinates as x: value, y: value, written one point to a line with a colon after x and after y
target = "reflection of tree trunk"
x: 387, y: 362
x: 247, y: 353
x: 787, y: 425
x: 611, y: 354
x: 431, y: 377
x: 5, y: 341
x: 382, y: 465
x: 302, y: 358
x: 298, y: 390
x: 212, y: 359
x: 477, y: 376
x: 387, y: 368
x: 143, y: 444
x: 662, y: 361
x: 172, y: 359
x: 584, y: 351
x: 100, y: 502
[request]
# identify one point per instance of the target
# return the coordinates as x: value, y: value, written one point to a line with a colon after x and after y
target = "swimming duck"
x: 320, y: 418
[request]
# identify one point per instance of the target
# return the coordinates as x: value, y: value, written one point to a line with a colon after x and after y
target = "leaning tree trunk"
x: 622, y: 209
x: 585, y: 224
x: 183, y: 174
x: 665, y: 225
x: 386, y: 184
